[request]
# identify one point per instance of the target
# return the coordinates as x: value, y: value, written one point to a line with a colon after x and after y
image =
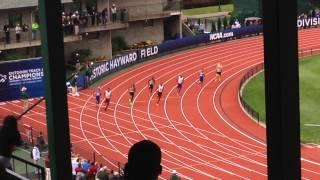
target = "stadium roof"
x: 11, y: 4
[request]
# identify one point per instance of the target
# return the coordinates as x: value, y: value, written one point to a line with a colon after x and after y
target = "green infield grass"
x: 208, y: 10
x: 309, y: 73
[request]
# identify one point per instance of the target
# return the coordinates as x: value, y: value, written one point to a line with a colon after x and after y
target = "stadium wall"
x: 142, y: 30
x: 99, y: 45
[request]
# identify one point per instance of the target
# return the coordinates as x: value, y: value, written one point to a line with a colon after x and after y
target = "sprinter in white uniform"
x: 108, y: 97
x: 160, y: 91
x: 151, y: 83
x: 180, y: 82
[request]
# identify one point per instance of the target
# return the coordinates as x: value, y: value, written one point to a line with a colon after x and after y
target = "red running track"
x: 203, y: 134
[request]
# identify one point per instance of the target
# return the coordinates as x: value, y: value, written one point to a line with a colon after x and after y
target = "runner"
x: 151, y: 83
x: 218, y: 72
x: 160, y: 91
x: 180, y: 82
x: 97, y: 93
x: 201, y: 77
x: 132, y: 90
x: 107, y: 98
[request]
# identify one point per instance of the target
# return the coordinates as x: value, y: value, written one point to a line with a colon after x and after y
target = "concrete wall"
x: 138, y: 32
x: 99, y: 47
x: 172, y: 26
x: 139, y: 8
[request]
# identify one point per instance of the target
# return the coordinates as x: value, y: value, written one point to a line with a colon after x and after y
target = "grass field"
x: 207, y: 10
x: 309, y: 98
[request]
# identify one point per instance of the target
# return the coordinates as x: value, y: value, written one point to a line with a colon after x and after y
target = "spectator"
x: 74, y: 163
x: 34, y: 29
x: 36, y: 156
x: 47, y: 167
x: 313, y: 13
x: 6, y: 30
x: 92, y: 171
x: 174, y: 175
x: 76, y: 23
x: 25, y: 28
x: 114, y: 13
x: 18, y: 32
x: 102, y: 173
x: 40, y: 141
x: 99, y: 18
x: 93, y: 16
x: 86, y: 165
x: 104, y: 16
x: 9, y: 139
x: 144, y: 159
x: 111, y: 175
x: 80, y: 173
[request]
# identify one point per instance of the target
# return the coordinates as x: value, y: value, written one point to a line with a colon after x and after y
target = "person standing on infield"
x: 132, y: 90
x: 107, y: 98
x: 25, y: 97
x: 218, y: 72
x: 180, y: 82
x: 160, y: 91
x: 151, y: 83
x: 97, y: 93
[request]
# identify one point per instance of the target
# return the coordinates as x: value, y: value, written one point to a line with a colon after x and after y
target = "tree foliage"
x: 219, y: 24
x: 213, y: 26
x: 225, y: 22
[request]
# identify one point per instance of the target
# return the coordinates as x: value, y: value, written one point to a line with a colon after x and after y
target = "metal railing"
x: 253, y: 71
x: 250, y: 110
x: 29, y: 136
x: 71, y: 33
x: 29, y: 168
x: 309, y: 51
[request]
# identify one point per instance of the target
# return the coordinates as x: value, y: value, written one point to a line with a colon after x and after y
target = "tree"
x: 219, y: 24
x: 225, y: 22
x: 231, y: 21
x: 213, y: 27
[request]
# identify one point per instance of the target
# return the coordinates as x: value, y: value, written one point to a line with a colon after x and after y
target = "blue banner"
x: 21, y: 73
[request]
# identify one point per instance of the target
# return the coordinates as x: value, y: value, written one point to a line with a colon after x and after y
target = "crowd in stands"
x: 87, y: 170
x: 309, y: 14
x: 71, y: 21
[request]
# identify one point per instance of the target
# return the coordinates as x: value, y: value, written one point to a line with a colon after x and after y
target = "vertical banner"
x: 21, y: 73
